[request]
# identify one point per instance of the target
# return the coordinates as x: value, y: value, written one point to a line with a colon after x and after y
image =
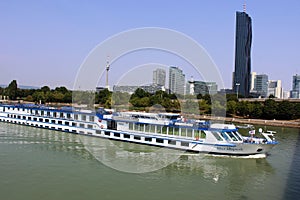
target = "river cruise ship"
x: 169, y: 130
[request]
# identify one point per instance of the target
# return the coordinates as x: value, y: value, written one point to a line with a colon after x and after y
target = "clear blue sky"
x: 44, y: 42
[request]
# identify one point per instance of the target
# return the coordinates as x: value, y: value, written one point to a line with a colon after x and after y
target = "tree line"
x: 142, y: 100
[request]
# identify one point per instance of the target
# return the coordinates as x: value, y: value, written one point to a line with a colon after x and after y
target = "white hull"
x: 98, y: 128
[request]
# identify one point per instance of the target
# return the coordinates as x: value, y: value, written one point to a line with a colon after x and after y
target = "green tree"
x: 12, y: 90
x: 231, y: 107
x: 270, y: 109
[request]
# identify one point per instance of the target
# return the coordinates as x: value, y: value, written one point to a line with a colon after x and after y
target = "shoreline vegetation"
x: 217, y: 107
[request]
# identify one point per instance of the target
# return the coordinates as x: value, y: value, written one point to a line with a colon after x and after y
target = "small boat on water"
x: 169, y: 130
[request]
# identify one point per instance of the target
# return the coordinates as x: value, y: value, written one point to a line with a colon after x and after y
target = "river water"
x: 45, y: 164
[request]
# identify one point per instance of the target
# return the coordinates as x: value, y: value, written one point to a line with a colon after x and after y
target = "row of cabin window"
x: 187, y: 132
x: 149, y: 139
x: 52, y: 121
x: 61, y: 115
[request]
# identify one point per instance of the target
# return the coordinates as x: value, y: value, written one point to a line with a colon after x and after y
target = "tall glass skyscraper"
x: 243, y: 39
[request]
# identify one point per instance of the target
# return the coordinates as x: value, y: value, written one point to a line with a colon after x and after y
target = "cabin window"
x: 83, y: 117
x: 89, y: 126
x: 164, y: 130
x: 36, y: 112
x: 183, y: 132
x: 189, y: 132
x: 73, y: 124
x: 126, y: 136
x: 176, y: 131
x: 92, y: 118
x: 53, y: 121
x: 75, y: 116
x: 67, y: 123
x: 60, y: 129
x: 217, y: 136
x: 54, y: 114
x: 152, y: 128
x: 159, y: 129
x: 61, y: 115
x: 148, y: 139
x: 35, y: 119
x: 68, y: 115
x: 19, y: 117
x: 29, y: 118
x: 232, y: 136
x: 59, y: 122
x: 41, y: 119
x: 24, y: 117
x: 74, y: 131
x: 46, y: 120
x: 81, y: 125
x: 130, y: 126
x: 185, y: 144
x: 224, y: 135
x: 107, y: 133
x: 172, y: 142
x: 200, y: 134
x: 42, y: 112
x: 147, y: 128
x: 171, y: 131
x: 237, y: 136
x: 137, y: 137
x: 48, y: 113
x: 159, y: 140
x: 117, y: 134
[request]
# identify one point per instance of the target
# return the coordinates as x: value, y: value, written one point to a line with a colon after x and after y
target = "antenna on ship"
x: 244, y: 6
x: 107, y: 69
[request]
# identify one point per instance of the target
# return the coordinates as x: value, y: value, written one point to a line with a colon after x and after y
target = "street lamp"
x: 237, y: 90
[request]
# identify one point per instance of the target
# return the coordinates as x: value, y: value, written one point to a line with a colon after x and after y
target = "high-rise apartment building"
x: 243, y: 40
x: 159, y: 77
x: 176, y: 80
x: 295, y: 92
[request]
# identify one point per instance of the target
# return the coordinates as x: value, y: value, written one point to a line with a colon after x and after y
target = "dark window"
x: 83, y: 117
x: 107, y: 133
x: 126, y: 136
x: 61, y: 115
x: 41, y: 119
x: 117, y: 134
x: 158, y: 140
x: 29, y: 118
x: 68, y: 115
x: 24, y: 117
x: 92, y: 118
x: 54, y: 114
x: 184, y: 144
x: 137, y: 137
x: 81, y: 125
x: 73, y: 124
x: 42, y: 112
x: 48, y: 113
x: 76, y: 116
x: 53, y: 121
x: 59, y: 122
x: 90, y: 126
x: 46, y: 120
x: 67, y: 123
x: 172, y: 142
x: 35, y: 119
x: 148, y: 139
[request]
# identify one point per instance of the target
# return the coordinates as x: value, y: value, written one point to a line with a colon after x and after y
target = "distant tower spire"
x: 244, y: 6
x: 107, y: 69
